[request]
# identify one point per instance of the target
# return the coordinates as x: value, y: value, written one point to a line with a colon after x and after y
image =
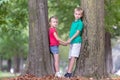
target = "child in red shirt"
x: 55, y: 41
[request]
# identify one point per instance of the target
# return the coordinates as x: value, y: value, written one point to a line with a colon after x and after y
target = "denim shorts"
x: 54, y: 49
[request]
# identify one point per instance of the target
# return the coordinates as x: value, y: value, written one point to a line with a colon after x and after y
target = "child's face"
x: 54, y: 22
x: 78, y: 14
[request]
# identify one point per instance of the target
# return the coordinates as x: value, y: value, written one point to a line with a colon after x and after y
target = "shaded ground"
x: 51, y: 77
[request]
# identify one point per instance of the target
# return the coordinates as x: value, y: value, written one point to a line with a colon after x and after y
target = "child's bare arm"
x: 60, y: 41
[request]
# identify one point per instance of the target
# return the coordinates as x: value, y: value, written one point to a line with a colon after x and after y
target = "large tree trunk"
x: 38, y: 62
x: 108, y: 53
x: 92, y: 57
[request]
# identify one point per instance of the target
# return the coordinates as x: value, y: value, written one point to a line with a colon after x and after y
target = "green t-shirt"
x: 76, y: 25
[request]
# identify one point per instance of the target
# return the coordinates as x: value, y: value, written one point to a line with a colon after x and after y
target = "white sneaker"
x: 58, y: 74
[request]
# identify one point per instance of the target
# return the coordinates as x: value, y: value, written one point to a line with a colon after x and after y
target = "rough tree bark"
x: 38, y: 62
x: 91, y: 62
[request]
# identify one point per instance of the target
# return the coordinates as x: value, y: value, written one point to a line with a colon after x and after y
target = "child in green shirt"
x: 75, y: 39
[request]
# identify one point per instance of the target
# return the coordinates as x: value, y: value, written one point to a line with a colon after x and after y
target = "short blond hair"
x: 78, y: 9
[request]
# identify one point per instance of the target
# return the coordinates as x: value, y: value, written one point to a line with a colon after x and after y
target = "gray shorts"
x: 74, y: 50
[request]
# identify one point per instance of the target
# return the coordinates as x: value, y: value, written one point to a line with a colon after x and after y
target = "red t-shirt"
x: 52, y: 39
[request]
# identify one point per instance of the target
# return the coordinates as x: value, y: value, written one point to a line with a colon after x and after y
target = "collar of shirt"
x: 77, y: 20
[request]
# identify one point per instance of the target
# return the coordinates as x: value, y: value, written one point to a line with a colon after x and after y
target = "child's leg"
x: 73, y: 54
x: 71, y: 64
x: 56, y: 62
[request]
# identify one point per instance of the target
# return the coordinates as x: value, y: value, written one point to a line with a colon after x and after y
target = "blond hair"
x: 78, y: 9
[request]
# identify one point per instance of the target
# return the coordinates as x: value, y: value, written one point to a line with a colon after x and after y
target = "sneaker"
x: 58, y: 74
x: 68, y: 75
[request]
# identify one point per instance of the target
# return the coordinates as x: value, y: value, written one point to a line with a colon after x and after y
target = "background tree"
x: 108, y: 53
x: 112, y: 18
x: 13, y: 32
x: 38, y: 62
x: 112, y: 28
x: 92, y: 60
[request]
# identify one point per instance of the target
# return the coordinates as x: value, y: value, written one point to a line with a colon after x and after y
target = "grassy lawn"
x: 7, y: 74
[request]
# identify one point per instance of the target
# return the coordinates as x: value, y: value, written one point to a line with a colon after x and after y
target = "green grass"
x: 7, y: 74
x: 64, y: 52
x: 114, y: 76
